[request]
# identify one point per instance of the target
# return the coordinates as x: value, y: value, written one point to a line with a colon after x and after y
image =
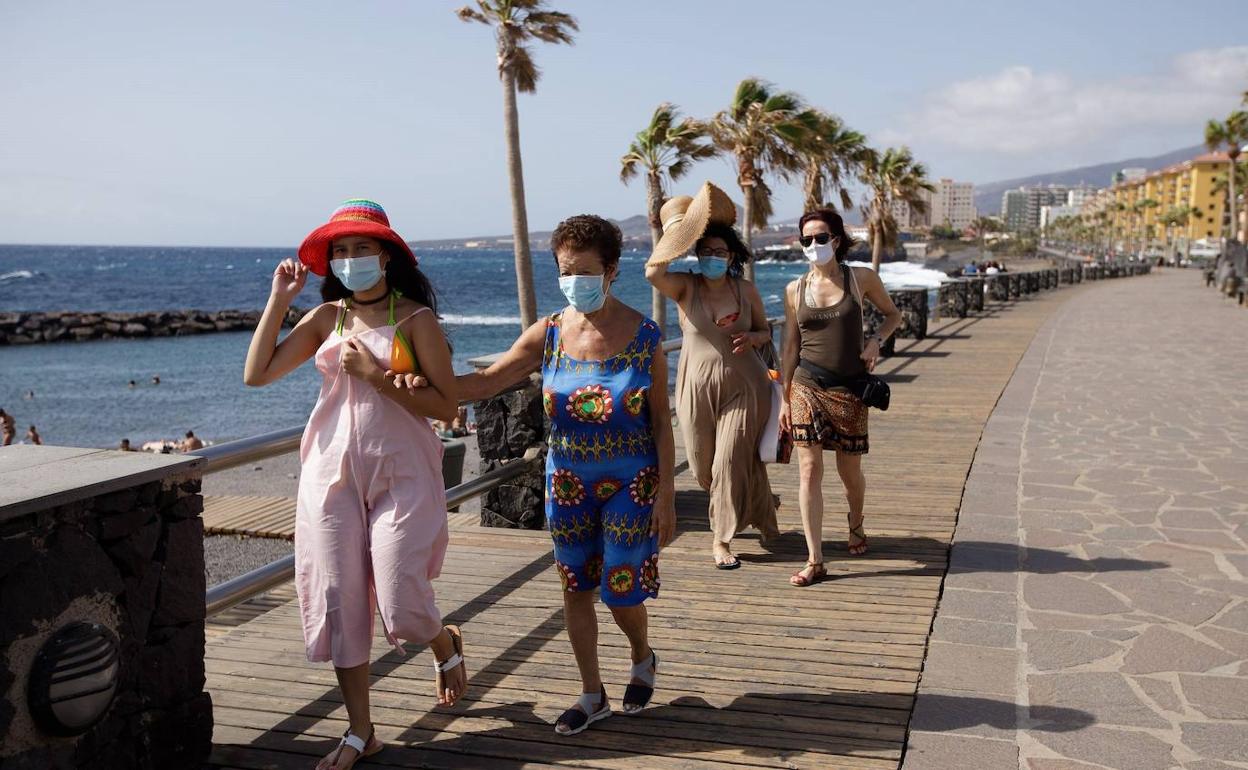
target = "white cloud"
x: 1021, y: 111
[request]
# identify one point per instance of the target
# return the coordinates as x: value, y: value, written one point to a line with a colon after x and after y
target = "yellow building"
x: 1140, y: 204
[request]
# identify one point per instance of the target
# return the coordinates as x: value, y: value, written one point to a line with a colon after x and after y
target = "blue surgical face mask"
x: 713, y: 267
x: 358, y: 273
x: 585, y: 293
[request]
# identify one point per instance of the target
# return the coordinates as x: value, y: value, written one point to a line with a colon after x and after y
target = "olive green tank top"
x: 831, y: 336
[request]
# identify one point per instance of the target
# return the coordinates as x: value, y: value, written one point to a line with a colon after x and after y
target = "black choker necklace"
x: 371, y: 301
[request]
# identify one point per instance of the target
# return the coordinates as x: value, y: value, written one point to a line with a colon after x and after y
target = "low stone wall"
x: 109, y: 542
x: 954, y: 299
x: 975, y: 293
x: 67, y: 326
x: 507, y: 425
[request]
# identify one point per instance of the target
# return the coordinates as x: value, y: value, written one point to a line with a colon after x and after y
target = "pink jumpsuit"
x: 370, y: 523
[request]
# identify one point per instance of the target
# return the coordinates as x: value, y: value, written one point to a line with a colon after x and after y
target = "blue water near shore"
x: 81, y: 393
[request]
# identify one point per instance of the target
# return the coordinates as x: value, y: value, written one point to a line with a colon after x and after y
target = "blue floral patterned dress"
x: 602, y: 474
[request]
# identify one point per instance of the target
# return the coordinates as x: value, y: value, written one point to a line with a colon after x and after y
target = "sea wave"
x: 110, y: 266
x: 456, y: 319
x: 16, y: 275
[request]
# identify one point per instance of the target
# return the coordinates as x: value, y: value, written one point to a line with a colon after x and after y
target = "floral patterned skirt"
x: 833, y: 419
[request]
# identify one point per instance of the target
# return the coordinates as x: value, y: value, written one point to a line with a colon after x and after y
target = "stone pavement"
x: 1095, y: 613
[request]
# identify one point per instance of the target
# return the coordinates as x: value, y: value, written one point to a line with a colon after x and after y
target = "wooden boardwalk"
x: 754, y: 673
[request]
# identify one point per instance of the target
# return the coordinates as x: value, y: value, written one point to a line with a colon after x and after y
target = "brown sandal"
x: 860, y: 548
x: 817, y: 572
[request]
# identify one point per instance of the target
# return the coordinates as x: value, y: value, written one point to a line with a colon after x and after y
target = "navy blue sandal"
x: 637, y: 696
x: 584, y: 713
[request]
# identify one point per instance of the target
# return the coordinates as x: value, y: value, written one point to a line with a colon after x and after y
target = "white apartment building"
x: 1050, y: 214
x: 952, y: 204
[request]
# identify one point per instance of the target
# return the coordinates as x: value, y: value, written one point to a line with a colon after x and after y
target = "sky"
x: 245, y: 123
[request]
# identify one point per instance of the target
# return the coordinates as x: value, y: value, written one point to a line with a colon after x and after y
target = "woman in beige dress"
x: 723, y: 394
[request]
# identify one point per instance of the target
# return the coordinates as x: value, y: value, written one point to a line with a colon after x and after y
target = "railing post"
x: 102, y: 609
x: 975, y: 293
x: 508, y: 425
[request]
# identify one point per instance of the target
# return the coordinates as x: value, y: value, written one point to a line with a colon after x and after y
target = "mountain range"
x: 988, y: 196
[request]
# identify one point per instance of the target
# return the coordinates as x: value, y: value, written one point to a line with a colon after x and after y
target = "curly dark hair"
x: 835, y: 224
x: 401, y: 274
x: 728, y: 233
x: 587, y: 231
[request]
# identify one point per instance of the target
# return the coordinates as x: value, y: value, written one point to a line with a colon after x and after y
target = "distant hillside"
x: 988, y: 196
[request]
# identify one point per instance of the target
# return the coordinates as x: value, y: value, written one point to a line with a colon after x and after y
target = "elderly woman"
x: 609, y: 472
x: 723, y: 394
x: 823, y: 339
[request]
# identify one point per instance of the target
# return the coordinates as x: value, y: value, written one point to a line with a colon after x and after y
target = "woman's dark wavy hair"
x: 736, y: 247
x: 401, y: 274
x: 833, y: 220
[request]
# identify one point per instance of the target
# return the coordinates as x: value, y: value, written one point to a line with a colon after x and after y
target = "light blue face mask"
x: 358, y: 273
x: 713, y: 267
x: 586, y: 293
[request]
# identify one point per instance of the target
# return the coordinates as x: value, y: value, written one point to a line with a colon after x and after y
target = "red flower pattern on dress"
x: 621, y: 579
x: 650, y: 574
x: 645, y: 486
x: 567, y: 577
x: 566, y: 487
x: 635, y: 401
x: 592, y: 404
x: 593, y: 569
x: 606, y: 489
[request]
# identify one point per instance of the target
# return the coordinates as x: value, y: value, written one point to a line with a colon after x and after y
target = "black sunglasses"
x: 819, y: 238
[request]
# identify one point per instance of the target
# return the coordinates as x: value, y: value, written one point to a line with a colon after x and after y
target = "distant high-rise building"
x: 1014, y: 209
x: 907, y: 217
x: 952, y: 204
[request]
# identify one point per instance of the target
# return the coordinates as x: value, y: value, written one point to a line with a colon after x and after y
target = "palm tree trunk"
x: 654, y: 201
x: 877, y: 251
x: 747, y: 210
x: 811, y: 186
x: 519, y: 215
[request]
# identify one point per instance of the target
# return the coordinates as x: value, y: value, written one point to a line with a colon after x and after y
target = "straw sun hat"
x: 685, y: 219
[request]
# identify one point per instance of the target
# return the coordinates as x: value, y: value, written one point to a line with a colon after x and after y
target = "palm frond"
x: 525, y: 69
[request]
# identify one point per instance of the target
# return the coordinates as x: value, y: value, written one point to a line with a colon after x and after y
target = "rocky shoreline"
x: 68, y: 326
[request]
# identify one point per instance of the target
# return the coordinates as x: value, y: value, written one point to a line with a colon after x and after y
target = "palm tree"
x: 1225, y: 185
x: 763, y: 131
x: 664, y: 150
x: 891, y: 176
x: 982, y: 226
x: 1231, y: 133
x: 830, y: 153
x: 1140, y: 211
x: 516, y: 23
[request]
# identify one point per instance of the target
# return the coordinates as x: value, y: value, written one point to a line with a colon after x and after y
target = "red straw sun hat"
x: 357, y: 216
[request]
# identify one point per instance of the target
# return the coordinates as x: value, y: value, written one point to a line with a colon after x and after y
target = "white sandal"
x: 351, y: 740
x: 456, y: 659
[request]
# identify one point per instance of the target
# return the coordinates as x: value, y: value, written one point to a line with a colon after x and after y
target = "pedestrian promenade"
x: 755, y: 673
x: 1096, y: 608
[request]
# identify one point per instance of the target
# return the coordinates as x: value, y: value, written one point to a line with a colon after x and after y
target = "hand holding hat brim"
x: 687, y: 219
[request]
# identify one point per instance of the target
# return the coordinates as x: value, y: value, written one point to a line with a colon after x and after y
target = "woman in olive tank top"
x: 823, y: 327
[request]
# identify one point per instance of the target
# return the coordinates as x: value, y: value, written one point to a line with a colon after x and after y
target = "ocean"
x: 81, y: 396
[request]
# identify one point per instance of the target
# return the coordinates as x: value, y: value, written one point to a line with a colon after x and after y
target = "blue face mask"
x: 713, y: 267
x: 358, y: 273
x: 585, y: 293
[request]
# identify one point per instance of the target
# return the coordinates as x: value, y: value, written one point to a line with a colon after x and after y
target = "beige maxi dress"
x: 723, y: 400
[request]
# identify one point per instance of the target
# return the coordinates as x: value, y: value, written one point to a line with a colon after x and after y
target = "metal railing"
x: 232, y: 454
x: 250, y: 584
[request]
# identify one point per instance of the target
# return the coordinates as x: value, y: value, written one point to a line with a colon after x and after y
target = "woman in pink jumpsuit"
x: 370, y: 523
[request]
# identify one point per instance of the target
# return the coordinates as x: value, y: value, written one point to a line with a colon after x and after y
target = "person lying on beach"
x: 33, y: 436
x: 190, y: 443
